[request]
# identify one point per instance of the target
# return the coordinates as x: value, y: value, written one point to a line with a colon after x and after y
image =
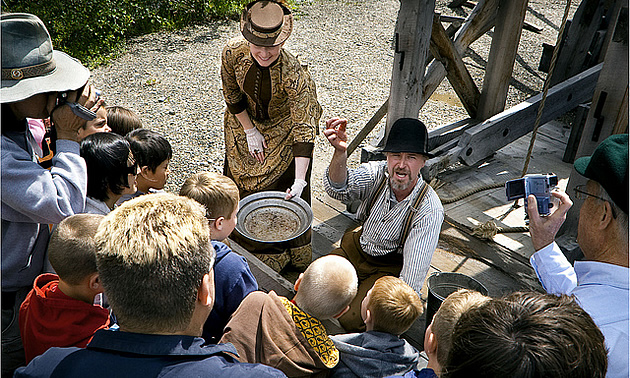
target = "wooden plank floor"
x: 509, y: 252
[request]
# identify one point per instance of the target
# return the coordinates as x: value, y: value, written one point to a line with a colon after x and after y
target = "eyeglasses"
x: 582, y: 194
x: 132, y: 165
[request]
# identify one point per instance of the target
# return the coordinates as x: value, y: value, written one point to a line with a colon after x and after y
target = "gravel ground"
x: 171, y: 80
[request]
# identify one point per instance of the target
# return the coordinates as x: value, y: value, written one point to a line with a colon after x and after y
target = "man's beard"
x: 398, y: 185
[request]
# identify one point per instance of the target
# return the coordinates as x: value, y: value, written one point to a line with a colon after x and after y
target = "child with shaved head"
x: 288, y: 334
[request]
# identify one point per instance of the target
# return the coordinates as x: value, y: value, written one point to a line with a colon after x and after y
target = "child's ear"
x: 218, y: 223
x: 341, y: 312
x: 95, y: 283
x: 146, y: 173
x: 297, y: 282
x: 430, y: 341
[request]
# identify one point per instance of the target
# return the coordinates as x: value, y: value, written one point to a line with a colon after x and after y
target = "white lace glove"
x: 255, y: 141
x: 296, y: 189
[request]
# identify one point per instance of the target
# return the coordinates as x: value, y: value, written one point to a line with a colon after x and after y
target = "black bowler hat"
x: 408, y: 135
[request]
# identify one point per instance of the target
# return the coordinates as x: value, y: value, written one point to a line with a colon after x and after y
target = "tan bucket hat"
x: 30, y: 65
x: 266, y: 23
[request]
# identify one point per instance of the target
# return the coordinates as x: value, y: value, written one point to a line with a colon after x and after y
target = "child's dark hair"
x: 107, y: 156
x: 149, y: 148
x: 122, y: 120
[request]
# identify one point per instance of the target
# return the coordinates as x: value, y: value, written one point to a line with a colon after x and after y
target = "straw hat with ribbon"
x: 266, y: 23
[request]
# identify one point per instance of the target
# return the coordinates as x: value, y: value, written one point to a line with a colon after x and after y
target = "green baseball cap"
x: 609, y: 167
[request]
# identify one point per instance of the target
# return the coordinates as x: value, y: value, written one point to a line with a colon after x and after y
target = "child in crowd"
x: 232, y: 278
x: 388, y: 310
x: 59, y: 311
x: 97, y: 125
x: 122, y: 121
x: 437, y: 337
x: 111, y: 171
x: 288, y: 334
x: 153, y: 154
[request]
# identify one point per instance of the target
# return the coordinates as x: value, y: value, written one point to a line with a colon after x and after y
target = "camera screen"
x: 515, y: 189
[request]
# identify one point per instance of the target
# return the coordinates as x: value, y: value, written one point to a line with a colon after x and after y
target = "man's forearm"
x: 338, y: 170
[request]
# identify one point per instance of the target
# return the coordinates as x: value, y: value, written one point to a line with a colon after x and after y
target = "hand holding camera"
x: 543, y: 230
x: 68, y: 119
x: 540, y: 186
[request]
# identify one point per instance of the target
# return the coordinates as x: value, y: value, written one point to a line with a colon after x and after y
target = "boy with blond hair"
x: 388, y: 310
x: 232, y: 277
x: 60, y: 310
x: 288, y: 334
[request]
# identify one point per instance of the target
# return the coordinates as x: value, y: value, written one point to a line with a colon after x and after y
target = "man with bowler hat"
x: 37, y: 82
x: 600, y: 281
x: 401, y: 214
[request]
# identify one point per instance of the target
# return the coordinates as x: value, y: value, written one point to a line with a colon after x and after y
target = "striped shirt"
x: 383, y: 227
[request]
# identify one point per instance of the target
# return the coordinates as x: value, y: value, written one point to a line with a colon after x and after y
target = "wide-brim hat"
x: 266, y: 23
x: 30, y: 65
x: 609, y: 167
x: 408, y: 135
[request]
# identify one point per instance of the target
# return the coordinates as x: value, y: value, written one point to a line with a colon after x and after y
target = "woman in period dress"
x: 272, y: 114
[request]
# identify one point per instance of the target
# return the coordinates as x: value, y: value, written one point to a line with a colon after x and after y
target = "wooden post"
x: 609, y: 111
x: 443, y: 50
x: 411, y: 41
x: 507, y: 34
x: 573, y: 53
x: 479, y: 21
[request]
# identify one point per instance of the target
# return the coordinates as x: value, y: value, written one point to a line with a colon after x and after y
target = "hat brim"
x: 287, y: 27
x: 400, y: 150
x: 68, y: 75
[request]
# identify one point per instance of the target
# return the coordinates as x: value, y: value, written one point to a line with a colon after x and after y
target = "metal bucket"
x: 442, y: 284
x: 267, y: 223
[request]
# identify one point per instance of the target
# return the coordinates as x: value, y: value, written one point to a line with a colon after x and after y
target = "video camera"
x: 538, y: 184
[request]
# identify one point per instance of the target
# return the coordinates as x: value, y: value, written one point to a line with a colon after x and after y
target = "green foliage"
x: 96, y: 32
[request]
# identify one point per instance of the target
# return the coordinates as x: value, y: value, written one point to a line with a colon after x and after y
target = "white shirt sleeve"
x: 554, y: 271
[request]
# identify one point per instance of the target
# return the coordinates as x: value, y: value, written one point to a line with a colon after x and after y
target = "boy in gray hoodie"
x: 388, y: 310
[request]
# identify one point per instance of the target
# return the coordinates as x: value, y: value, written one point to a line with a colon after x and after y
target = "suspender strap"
x: 379, y: 189
x: 410, y: 213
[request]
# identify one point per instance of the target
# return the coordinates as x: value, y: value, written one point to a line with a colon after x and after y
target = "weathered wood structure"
x: 488, y: 147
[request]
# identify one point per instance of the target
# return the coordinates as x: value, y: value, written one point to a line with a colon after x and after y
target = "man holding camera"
x: 401, y: 214
x: 600, y: 282
x: 34, y: 80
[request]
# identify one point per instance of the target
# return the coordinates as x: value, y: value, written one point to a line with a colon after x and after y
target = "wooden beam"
x: 443, y: 50
x: 479, y: 21
x: 507, y: 34
x: 369, y: 126
x: 411, y: 39
x: 526, y: 25
x: 482, y: 140
x: 574, y: 51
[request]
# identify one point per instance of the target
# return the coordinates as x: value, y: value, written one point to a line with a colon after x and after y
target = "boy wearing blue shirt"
x: 232, y: 276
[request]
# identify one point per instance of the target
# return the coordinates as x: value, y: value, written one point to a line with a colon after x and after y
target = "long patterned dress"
x: 282, y: 103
